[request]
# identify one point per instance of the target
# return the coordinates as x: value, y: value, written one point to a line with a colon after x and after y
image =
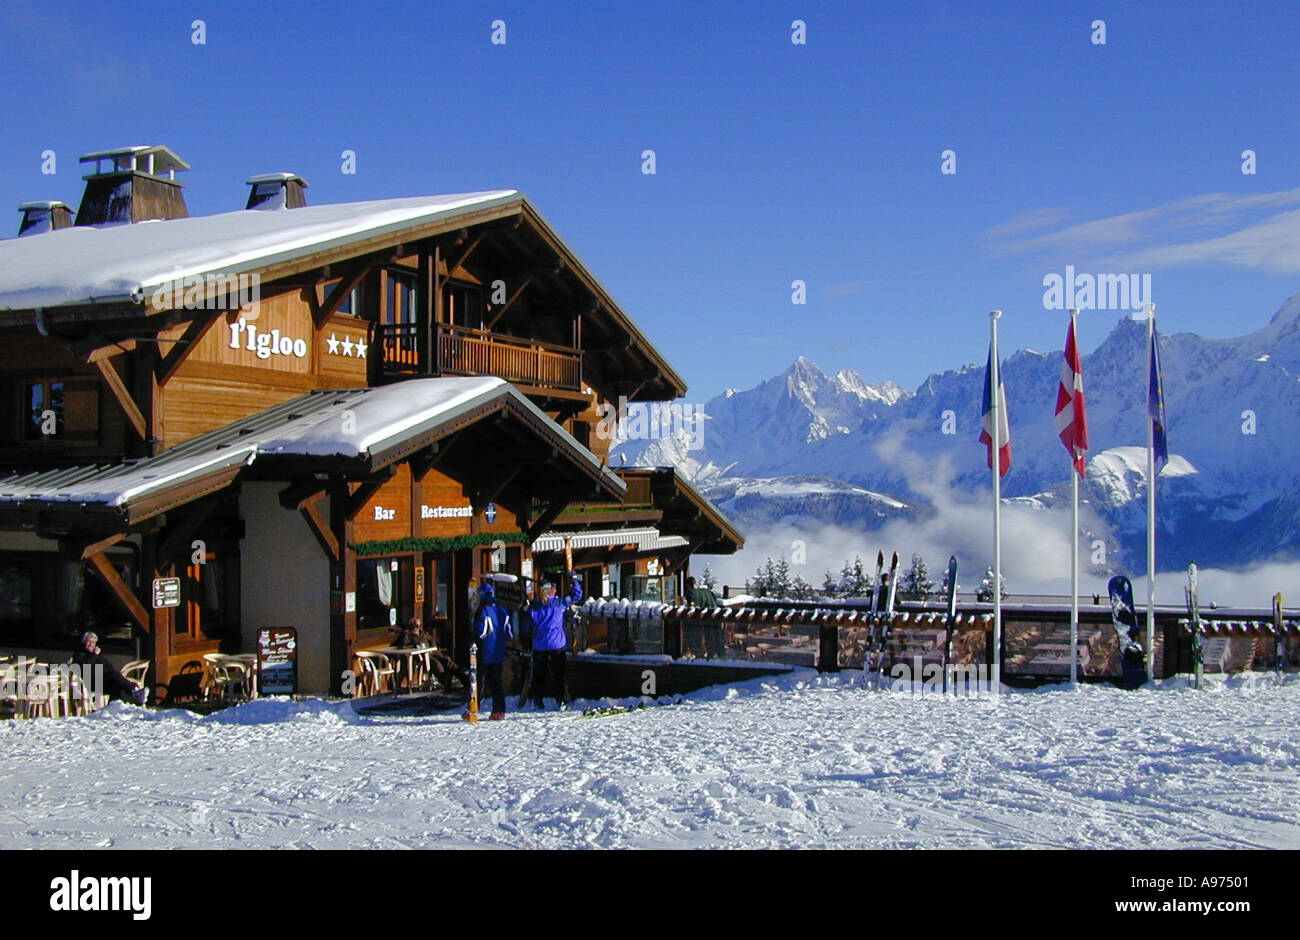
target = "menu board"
x: 277, y: 659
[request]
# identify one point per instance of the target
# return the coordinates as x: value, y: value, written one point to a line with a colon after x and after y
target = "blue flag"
x: 1156, y: 405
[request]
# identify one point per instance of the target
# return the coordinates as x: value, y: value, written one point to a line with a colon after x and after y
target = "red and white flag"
x: 1071, y: 418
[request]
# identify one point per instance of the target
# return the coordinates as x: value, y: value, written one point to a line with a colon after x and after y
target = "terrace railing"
x: 459, y: 350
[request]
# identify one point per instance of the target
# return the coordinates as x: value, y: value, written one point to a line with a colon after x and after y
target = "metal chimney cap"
x: 42, y: 204
x: 275, y: 178
x: 155, y: 160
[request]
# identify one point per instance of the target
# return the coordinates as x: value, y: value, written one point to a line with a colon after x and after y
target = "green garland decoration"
x: 450, y: 544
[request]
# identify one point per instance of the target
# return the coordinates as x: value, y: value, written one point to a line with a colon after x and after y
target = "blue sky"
x: 775, y: 161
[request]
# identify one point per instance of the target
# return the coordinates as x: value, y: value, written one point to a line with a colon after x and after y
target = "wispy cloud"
x: 836, y: 291
x: 1213, y: 228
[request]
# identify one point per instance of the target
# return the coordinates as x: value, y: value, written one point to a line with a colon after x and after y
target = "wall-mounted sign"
x: 244, y: 335
x: 350, y: 602
x: 166, y: 592
x: 277, y: 661
x: 447, y: 512
x: 419, y: 585
x: 490, y: 513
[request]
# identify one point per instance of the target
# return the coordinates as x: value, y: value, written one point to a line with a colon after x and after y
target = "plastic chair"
x: 136, y: 670
x: 228, y: 679
x: 42, y: 696
x: 376, y: 672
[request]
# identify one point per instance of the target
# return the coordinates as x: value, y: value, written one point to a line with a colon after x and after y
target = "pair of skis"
x: 883, y: 594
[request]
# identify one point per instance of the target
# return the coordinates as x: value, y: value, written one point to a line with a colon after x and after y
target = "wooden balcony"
x: 462, y: 351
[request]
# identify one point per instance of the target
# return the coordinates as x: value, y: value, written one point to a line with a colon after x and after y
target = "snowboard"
x: 952, y: 617
x: 1124, y: 620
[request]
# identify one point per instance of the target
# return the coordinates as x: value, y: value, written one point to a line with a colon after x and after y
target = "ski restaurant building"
x: 334, y: 418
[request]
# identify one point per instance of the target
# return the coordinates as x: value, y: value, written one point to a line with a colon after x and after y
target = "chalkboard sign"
x: 277, y: 656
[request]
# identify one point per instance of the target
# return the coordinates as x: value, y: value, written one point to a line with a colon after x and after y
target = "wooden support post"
x: 343, y: 582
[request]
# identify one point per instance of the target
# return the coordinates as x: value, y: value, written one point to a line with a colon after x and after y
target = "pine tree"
x: 916, y: 584
x: 830, y: 587
x: 781, y: 583
x: 985, y: 592
x: 943, y: 588
x: 708, y: 579
x: 854, y: 579
x: 800, y: 589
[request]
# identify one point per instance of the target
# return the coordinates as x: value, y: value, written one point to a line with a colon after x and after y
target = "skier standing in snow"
x: 546, y: 624
x: 492, y: 627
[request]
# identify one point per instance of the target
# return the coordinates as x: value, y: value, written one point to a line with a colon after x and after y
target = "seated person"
x: 116, y: 686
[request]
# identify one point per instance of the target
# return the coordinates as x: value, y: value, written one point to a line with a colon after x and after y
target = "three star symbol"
x: 334, y: 343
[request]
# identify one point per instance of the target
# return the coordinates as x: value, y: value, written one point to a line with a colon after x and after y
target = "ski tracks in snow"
x: 804, y: 761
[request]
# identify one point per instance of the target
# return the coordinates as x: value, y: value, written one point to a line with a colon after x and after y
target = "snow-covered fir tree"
x: 985, y: 592
x: 708, y: 579
x: 854, y: 579
x: 944, y: 586
x: 916, y: 584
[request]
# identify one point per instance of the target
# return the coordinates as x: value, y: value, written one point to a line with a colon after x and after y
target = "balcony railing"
x: 462, y: 351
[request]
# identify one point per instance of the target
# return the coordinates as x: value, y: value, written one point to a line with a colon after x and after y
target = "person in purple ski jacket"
x: 546, y: 623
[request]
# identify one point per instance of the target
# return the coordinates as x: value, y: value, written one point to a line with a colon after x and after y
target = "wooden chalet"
x: 333, y: 418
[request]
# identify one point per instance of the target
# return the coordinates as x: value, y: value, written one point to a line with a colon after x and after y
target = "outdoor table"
x: 249, y: 662
x: 404, y: 656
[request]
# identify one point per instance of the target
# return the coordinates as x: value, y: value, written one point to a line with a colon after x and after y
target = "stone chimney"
x: 277, y: 191
x: 134, y: 184
x: 41, y: 217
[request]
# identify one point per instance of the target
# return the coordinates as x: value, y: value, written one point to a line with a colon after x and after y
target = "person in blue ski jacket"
x: 546, y: 624
x: 493, y: 626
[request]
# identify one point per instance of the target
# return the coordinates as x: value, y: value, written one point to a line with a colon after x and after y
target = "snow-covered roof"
x: 85, y: 264
x: 333, y: 423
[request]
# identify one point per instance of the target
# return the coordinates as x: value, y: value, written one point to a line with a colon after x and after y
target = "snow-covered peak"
x: 1120, y: 473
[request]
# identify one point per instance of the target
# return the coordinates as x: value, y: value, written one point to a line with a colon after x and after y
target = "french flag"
x: 986, y: 421
x: 1071, y: 418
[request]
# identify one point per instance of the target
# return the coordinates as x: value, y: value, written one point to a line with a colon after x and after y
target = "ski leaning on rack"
x: 1279, y: 644
x: 885, y: 616
x: 1124, y: 620
x: 1194, y: 618
x: 952, y: 617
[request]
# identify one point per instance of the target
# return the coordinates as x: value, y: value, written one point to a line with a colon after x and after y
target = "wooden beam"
x: 198, y: 328
x: 112, y: 348
x: 81, y: 551
x: 358, y: 500
x: 464, y: 255
x: 124, y: 399
x: 325, y: 537
x: 537, y: 526
x: 489, y: 493
x: 301, y: 493
x: 120, y: 590
x: 327, y: 306
x: 510, y: 301
x: 177, y: 541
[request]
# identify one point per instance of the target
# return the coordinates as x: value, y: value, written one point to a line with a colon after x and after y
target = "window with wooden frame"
x: 464, y: 305
x: 203, y: 613
x: 62, y: 411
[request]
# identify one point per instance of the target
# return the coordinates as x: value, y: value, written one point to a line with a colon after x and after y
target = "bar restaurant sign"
x: 166, y: 592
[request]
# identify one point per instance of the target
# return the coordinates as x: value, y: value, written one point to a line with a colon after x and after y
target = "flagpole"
x: 1151, y: 506
x: 1074, y: 534
x: 995, y: 379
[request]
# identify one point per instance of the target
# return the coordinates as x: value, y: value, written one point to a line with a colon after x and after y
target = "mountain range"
x: 807, y: 447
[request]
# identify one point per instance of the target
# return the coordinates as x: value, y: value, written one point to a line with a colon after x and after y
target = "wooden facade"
x: 487, y: 292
